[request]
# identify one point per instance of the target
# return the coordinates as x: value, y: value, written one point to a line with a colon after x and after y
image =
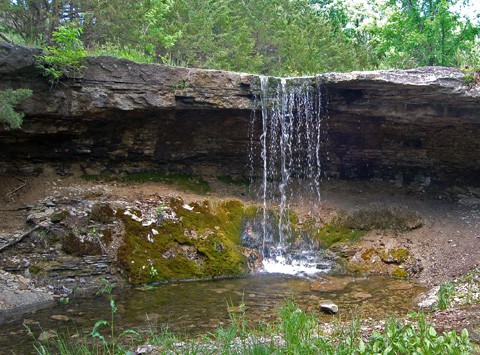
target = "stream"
x: 200, y: 307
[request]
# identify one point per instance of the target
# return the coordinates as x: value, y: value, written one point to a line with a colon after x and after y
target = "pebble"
x: 47, y: 335
x: 60, y: 317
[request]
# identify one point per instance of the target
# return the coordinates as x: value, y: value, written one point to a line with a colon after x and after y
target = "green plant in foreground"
x: 294, y: 332
x: 419, y: 338
x: 65, y: 56
x: 112, y: 345
x: 8, y: 99
x: 445, y: 295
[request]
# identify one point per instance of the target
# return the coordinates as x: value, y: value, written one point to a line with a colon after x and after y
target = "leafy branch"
x: 65, y: 56
x: 8, y: 99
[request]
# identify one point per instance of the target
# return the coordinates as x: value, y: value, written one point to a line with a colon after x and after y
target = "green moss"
x: 399, y: 272
x: 331, y: 234
x: 394, y: 256
x: 58, y: 217
x: 203, y: 242
x: 34, y: 269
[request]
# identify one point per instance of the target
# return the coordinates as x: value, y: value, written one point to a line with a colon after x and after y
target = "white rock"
x: 329, y: 307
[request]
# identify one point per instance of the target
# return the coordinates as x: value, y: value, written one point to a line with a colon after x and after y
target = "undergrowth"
x: 294, y: 332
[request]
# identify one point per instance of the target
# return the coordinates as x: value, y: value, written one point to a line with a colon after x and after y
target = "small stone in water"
x: 60, y: 317
x: 329, y: 308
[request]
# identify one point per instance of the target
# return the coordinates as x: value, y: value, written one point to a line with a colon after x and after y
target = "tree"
x: 8, y: 99
x: 134, y: 23
x: 278, y: 37
x: 423, y: 32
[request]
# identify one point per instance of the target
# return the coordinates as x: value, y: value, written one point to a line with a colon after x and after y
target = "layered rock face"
x: 118, y: 115
x: 420, y: 124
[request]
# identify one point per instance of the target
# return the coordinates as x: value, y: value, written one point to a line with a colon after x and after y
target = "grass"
x: 294, y: 332
x: 445, y: 295
x: 188, y: 182
x: 460, y: 292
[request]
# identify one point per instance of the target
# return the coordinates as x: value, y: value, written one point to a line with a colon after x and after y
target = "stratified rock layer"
x: 420, y: 124
x: 415, y: 125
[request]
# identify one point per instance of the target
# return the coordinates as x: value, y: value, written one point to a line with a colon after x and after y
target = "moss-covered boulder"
x: 186, y: 241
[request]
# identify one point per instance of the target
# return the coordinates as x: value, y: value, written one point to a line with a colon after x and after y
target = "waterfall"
x: 291, y: 138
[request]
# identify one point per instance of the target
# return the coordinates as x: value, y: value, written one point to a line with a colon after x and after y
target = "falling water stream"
x: 291, y: 138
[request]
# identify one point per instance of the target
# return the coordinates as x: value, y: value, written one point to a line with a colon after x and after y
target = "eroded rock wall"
x: 420, y: 124
x: 406, y: 125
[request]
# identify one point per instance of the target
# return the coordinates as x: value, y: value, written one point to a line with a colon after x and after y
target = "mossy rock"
x: 399, y: 272
x: 380, y: 261
x: 381, y: 217
x: 203, y: 241
x: 102, y: 212
x: 59, y: 216
x: 394, y: 256
x: 331, y: 234
x: 79, y: 245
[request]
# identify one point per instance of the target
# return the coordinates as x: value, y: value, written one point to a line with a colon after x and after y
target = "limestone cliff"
x: 119, y: 115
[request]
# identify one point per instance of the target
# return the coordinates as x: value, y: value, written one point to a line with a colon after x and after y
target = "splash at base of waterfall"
x: 306, y: 262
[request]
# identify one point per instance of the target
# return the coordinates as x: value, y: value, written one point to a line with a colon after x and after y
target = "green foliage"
x: 445, y: 295
x: 109, y: 343
x: 297, y: 332
x: 130, y: 27
x: 419, y: 338
x: 301, y: 38
x: 471, y: 75
x: 110, y: 346
x: 244, y: 36
x: 423, y: 32
x: 298, y: 329
x: 294, y: 332
x: 121, y: 51
x: 8, y: 99
x: 66, y: 56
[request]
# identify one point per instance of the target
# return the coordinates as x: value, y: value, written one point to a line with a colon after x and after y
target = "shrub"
x: 65, y: 56
x: 8, y: 99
